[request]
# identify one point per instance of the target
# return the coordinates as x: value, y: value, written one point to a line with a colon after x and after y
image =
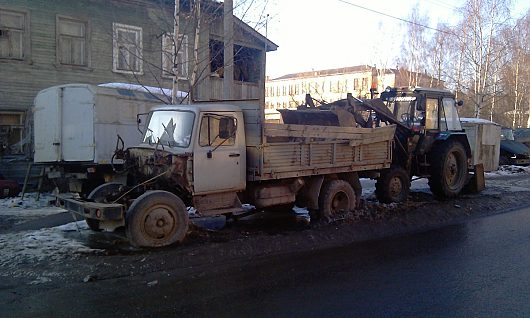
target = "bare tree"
x: 482, y: 21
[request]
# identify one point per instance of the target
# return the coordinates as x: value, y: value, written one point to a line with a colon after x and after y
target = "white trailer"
x: 76, y: 128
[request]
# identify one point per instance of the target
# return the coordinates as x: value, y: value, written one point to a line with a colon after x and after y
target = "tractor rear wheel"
x: 448, y: 169
x: 393, y: 185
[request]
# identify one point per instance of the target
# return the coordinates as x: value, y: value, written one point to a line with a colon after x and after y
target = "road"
x: 475, y: 269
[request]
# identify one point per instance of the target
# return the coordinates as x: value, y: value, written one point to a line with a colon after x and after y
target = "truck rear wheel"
x: 99, y: 194
x: 336, y: 196
x: 393, y: 185
x: 448, y: 169
x: 156, y: 218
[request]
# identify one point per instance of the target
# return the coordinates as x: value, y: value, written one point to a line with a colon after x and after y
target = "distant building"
x: 289, y: 91
x: 48, y: 43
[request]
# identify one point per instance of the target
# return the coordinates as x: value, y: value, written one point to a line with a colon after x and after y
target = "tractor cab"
x: 424, y: 109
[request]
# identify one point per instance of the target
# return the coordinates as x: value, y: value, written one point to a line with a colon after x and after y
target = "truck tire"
x: 393, y: 185
x: 99, y: 194
x: 448, y: 169
x: 156, y: 218
x: 335, y: 197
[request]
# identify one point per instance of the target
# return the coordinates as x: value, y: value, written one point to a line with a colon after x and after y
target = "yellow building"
x: 289, y: 91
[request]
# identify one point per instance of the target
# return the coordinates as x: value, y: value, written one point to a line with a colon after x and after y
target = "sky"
x: 316, y: 34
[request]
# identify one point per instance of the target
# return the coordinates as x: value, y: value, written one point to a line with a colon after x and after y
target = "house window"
x: 127, y: 48
x: 72, y: 41
x: 217, y: 58
x: 247, y: 64
x: 365, y: 84
x: 355, y: 84
x: 11, y: 132
x: 13, y: 33
x: 168, y: 52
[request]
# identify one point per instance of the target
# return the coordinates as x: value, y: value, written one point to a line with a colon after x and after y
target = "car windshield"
x: 170, y: 128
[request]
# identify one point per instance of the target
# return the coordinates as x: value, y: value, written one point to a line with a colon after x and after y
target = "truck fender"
x: 308, y: 195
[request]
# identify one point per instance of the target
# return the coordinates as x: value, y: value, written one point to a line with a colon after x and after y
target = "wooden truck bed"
x: 304, y: 150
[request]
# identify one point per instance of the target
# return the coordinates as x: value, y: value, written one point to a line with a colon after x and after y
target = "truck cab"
x: 210, y: 137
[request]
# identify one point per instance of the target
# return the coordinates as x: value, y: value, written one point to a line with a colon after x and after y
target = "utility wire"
x: 397, y: 18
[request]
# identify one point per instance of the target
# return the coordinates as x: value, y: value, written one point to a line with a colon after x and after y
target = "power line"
x: 396, y: 18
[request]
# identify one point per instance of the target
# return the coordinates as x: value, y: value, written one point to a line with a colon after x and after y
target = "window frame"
x: 230, y: 142
x: 116, y: 27
x: 25, y: 41
x: 87, y: 50
x: 184, y: 50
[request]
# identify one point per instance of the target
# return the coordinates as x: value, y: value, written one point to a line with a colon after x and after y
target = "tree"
x: 482, y: 21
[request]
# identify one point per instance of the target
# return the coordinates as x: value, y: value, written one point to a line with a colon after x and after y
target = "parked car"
x: 513, y: 152
x: 8, y: 188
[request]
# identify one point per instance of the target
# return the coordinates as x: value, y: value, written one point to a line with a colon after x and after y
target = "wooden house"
x: 47, y: 43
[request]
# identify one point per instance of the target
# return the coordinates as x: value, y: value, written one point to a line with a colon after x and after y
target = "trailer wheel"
x: 156, y: 218
x: 99, y: 194
x: 393, y: 185
x: 336, y: 196
x: 448, y: 169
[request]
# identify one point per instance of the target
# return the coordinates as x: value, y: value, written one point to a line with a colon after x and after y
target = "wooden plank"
x: 311, y: 131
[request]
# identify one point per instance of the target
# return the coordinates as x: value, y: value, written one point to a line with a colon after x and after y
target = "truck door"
x: 219, y: 161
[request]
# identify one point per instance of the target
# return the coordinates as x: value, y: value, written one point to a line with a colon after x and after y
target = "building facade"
x: 48, y: 43
x: 329, y: 85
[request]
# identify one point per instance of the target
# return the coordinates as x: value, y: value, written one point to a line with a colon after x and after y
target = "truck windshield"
x: 170, y: 128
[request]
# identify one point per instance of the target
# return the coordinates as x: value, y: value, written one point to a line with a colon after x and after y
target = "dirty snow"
x: 509, y: 170
x: 32, y: 247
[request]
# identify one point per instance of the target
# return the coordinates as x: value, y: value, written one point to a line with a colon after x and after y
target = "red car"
x: 8, y: 188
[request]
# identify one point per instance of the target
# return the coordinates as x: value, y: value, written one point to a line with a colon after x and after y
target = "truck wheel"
x: 156, y: 218
x: 336, y: 196
x: 393, y: 185
x: 448, y: 169
x: 99, y: 194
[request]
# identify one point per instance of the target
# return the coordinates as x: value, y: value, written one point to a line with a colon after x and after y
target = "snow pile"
x: 509, y: 170
x: 145, y: 89
x: 47, y: 246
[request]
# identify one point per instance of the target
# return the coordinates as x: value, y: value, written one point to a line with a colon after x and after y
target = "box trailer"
x: 76, y: 129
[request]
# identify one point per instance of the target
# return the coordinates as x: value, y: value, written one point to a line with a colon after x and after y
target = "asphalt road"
x: 476, y: 269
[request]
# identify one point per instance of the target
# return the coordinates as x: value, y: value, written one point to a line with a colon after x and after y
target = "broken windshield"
x: 170, y: 128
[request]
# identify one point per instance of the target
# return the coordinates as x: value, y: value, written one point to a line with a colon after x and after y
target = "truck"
x: 77, y: 128
x: 215, y: 156
x: 429, y: 140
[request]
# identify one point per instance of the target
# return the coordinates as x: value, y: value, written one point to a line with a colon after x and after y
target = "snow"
x: 477, y: 121
x: 33, y: 247
x: 508, y: 170
x: 145, y: 89
x: 29, y: 207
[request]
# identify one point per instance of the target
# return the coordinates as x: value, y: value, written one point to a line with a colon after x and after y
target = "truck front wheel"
x: 393, y: 185
x: 336, y: 196
x: 156, y: 218
x: 448, y: 169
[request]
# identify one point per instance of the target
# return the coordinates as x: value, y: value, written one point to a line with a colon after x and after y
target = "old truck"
x: 429, y: 140
x: 216, y: 156
x: 76, y: 129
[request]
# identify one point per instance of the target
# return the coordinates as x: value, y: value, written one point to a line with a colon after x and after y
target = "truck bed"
x: 304, y: 150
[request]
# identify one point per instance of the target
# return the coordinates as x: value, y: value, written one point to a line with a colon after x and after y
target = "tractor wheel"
x: 99, y: 194
x: 335, y: 197
x: 393, y: 185
x: 448, y: 169
x: 156, y: 218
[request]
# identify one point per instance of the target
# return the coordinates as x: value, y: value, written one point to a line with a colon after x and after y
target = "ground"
x: 42, y: 260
